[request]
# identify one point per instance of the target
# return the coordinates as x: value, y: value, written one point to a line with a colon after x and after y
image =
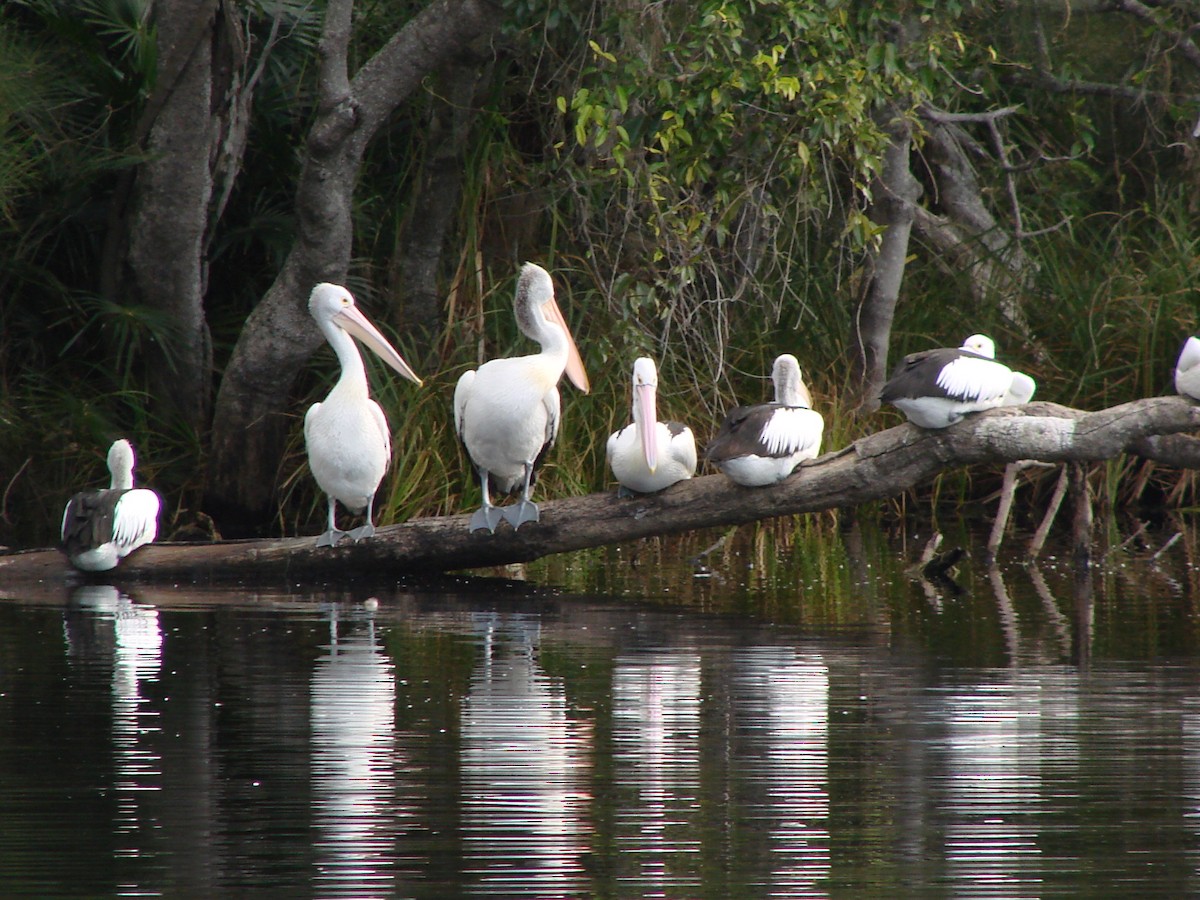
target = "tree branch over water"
x: 873, y: 468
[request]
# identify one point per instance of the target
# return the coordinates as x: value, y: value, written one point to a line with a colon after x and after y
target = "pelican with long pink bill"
x: 649, y: 455
x: 349, y: 443
x: 101, y: 527
x: 762, y: 444
x: 507, y: 411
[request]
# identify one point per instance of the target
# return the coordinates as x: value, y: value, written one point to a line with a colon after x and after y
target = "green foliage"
x: 726, y: 153
x: 696, y: 176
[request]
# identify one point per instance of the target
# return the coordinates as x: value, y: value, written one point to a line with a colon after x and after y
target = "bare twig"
x: 1168, y: 545
x: 1039, y: 536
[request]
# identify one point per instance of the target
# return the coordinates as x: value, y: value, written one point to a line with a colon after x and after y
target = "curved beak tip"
x: 360, y: 327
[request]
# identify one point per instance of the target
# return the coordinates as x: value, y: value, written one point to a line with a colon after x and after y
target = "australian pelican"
x: 506, y: 412
x: 936, y: 388
x: 763, y: 444
x: 349, y: 445
x: 650, y: 455
x: 101, y: 527
x: 1187, y: 369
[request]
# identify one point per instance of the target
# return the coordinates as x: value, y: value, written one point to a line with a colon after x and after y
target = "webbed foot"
x: 521, y: 512
x: 486, y: 517
x: 362, y: 531
x: 623, y: 492
x: 330, y: 538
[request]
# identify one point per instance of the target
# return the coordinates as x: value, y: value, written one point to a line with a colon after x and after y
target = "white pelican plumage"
x: 762, y: 444
x: 650, y: 455
x: 1020, y: 391
x: 936, y: 388
x: 102, y: 527
x: 1187, y: 369
x: 506, y: 412
x: 349, y: 444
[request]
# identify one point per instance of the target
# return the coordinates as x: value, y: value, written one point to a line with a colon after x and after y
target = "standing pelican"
x: 349, y: 445
x: 634, y: 451
x: 506, y: 412
x: 936, y: 388
x: 1187, y: 369
x: 762, y: 444
x: 102, y: 527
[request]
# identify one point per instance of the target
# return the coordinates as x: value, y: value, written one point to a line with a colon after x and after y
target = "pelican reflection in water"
x: 353, y: 699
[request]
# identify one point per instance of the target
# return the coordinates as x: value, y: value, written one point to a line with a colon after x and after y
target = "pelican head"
x: 980, y: 344
x: 120, y: 464
x: 333, y: 309
x: 790, y: 389
x: 539, y: 317
x: 645, y: 389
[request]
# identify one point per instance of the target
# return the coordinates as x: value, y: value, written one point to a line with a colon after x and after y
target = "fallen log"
x: 872, y: 468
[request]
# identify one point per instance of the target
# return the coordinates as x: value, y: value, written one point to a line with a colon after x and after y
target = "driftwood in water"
x: 875, y: 467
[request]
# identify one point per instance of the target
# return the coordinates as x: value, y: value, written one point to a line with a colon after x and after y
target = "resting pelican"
x: 506, y: 412
x: 102, y: 527
x: 936, y: 388
x: 1187, y: 369
x: 762, y: 444
x: 349, y: 445
x: 634, y: 451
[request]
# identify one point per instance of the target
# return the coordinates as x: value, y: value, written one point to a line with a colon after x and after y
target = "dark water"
x: 801, y: 720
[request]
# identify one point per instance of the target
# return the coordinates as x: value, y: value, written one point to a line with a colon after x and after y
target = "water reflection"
x: 104, y: 623
x: 656, y: 734
x: 524, y: 770
x: 540, y: 745
x: 782, y: 698
x: 353, y: 698
x: 1003, y: 740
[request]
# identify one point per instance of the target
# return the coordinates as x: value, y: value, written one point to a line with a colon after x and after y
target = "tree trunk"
x: 875, y: 467
x: 895, y: 193
x: 436, y: 198
x: 169, y: 210
x: 253, y: 414
x: 966, y: 236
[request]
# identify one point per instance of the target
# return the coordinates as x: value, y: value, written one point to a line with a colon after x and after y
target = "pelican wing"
x: 462, y: 392
x: 727, y: 442
x: 974, y: 378
x: 135, y: 519
x: 1189, y: 355
x: 553, y: 404
x: 1187, y: 369
x: 69, y: 514
x: 614, y: 441
x: 792, y: 429
x: 682, y: 445
x: 309, y: 420
x: 909, y: 376
x: 86, y: 521
x: 385, y: 432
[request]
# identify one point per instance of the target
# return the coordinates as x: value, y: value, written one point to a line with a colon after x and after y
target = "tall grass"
x: 1115, y: 294
x: 1118, y: 295
x: 1117, y: 301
